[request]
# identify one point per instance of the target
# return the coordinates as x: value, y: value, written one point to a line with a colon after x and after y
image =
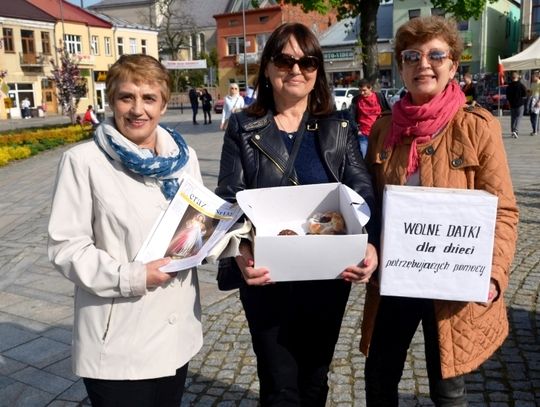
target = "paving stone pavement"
x: 36, y: 304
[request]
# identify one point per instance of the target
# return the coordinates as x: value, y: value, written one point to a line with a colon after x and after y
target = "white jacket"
x: 101, y: 215
x: 230, y: 105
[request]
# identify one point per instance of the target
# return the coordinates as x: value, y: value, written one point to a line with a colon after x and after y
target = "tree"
x: 367, y: 10
x: 70, y: 84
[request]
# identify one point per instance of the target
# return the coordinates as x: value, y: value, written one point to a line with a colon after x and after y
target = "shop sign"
x: 195, y: 64
x: 338, y: 55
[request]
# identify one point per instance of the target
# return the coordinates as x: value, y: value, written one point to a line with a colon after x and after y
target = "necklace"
x: 290, y: 134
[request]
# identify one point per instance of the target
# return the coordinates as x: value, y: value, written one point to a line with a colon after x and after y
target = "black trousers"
x: 294, y: 329
x: 158, y: 392
x: 207, y: 114
x: 195, y: 110
x: 395, y: 325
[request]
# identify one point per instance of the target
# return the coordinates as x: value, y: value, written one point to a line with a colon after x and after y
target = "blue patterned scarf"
x: 165, y: 167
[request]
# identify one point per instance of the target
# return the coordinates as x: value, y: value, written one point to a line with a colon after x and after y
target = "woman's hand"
x: 245, y: 263
x: 156, y: 278
x: 362, y: 273
x: 493, y: 291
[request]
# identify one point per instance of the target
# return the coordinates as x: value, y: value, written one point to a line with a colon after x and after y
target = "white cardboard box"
x: 305, y: 257
x: 437, y: 243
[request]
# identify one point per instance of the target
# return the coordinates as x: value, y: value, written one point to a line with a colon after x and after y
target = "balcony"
x: 32, y: 60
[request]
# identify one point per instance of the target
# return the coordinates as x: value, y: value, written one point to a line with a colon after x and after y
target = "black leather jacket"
x: 255, y: 156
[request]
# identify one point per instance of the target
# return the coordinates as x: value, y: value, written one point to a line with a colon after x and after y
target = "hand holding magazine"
x: 194, y: 222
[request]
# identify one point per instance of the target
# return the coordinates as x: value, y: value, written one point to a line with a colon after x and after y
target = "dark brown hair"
x: 138, y: 68
x: 424, y: 29
x: 320, y: 99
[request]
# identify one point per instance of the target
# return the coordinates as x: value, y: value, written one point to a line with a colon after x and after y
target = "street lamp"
x: 245, y: 44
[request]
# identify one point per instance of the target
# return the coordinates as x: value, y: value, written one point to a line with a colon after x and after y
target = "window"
x: 261, y: 40
x: 234, y: 22
x: 264, y: 19
x: 94, y: 45
x: 235, y: 45
x: 463, y: 25
x: 46, y: 43
x: 202, y: 43
x: 132, y: 46
x: 120, y: 45
x: 194, y: 47
x: 414, y: 13
x: 438, y: 12
x: 535, y: 17
x: 107, y: 45
x: 27, y: 42
x: 143, y: 47
x: 7, y: 33
x: 73, y: 43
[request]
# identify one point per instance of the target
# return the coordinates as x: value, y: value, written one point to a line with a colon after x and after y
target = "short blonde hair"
x: 138, y: 68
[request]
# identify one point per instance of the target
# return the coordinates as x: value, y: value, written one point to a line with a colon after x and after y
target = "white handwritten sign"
x: 437, y: 243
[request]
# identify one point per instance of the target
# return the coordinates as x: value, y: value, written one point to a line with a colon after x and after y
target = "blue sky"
x: 85, y: 2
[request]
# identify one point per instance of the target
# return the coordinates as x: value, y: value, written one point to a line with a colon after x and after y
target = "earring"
x: 266, y: 83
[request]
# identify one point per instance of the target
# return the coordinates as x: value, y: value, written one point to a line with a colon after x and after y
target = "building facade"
x: 238, y: 61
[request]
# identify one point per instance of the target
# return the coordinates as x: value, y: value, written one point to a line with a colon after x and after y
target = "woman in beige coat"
x: 135, y: 327
x: 432, y: 139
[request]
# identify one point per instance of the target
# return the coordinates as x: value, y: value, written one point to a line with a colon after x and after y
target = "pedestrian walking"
x: 90, y: 117
x: 232, y: 103
x: 534, y: 102
x: 516, y: 94
x: 25, y: 108
x: 433, y: 139
x: 294, y: 325
x: 469, y: 90
x: 206, y: 100
x: 366, y: 107
x: 135, y: 327
x: 194, y: 101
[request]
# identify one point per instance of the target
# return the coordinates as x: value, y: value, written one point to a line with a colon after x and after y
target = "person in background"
x: 194, y: 101
x: 469, y: 89
x: 294, y: 325
x: 135, y: 328
x: 433, y: 139
x: 366, y: 107
x: 516, y: 94
x: 206, y: 100
x: 25, y: 108
x: 233, y: 102
x: 90, y: 117
x: 534, y: 104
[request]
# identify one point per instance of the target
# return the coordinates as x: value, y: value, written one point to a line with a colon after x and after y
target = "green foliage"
x: 462, y: 9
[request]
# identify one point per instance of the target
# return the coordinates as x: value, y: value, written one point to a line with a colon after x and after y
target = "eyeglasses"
x: 435, y: 57
x: 287, y: 62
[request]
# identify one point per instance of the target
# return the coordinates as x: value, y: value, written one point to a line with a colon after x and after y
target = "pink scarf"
x: 422, y: 122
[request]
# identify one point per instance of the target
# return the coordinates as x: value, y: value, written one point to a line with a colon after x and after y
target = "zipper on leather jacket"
x: 108, y: 321
x: 280, y: 168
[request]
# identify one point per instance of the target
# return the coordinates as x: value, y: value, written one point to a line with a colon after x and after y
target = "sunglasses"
x: 287, y: 62
x: 435, y: 57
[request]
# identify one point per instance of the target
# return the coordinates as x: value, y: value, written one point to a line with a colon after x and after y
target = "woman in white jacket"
x: 233, y: 102
x: 135, y: 327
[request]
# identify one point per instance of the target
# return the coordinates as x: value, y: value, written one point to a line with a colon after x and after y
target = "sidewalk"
x: 36, y: 304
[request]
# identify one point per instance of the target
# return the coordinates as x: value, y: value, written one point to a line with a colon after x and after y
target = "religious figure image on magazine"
x: 191, y: 234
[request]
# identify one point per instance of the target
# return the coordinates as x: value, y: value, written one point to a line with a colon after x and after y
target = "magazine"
x: 193, y: 223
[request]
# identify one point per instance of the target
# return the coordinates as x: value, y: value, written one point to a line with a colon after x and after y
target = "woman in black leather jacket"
x: 294, y: 325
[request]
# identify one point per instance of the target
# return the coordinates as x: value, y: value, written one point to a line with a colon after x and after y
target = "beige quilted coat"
x: 469, y: 153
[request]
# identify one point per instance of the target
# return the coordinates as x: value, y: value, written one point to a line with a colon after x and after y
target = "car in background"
x: 343, y: 97
x: 218, y: 106
x: 398, y: 95
x: 494, y: 98
x: 388, y: 93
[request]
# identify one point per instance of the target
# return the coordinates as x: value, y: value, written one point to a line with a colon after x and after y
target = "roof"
x: 63, y: 10
x: 347, y: 31
x: 236, y: 5
x: 529, y: 58
x: 24, y: 10
x: 119, y: 23
x: 200, y: 10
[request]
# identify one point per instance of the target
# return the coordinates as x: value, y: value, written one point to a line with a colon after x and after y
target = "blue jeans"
x: 363, y: 143
x: 515, y: 115
x: 534, y: 122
